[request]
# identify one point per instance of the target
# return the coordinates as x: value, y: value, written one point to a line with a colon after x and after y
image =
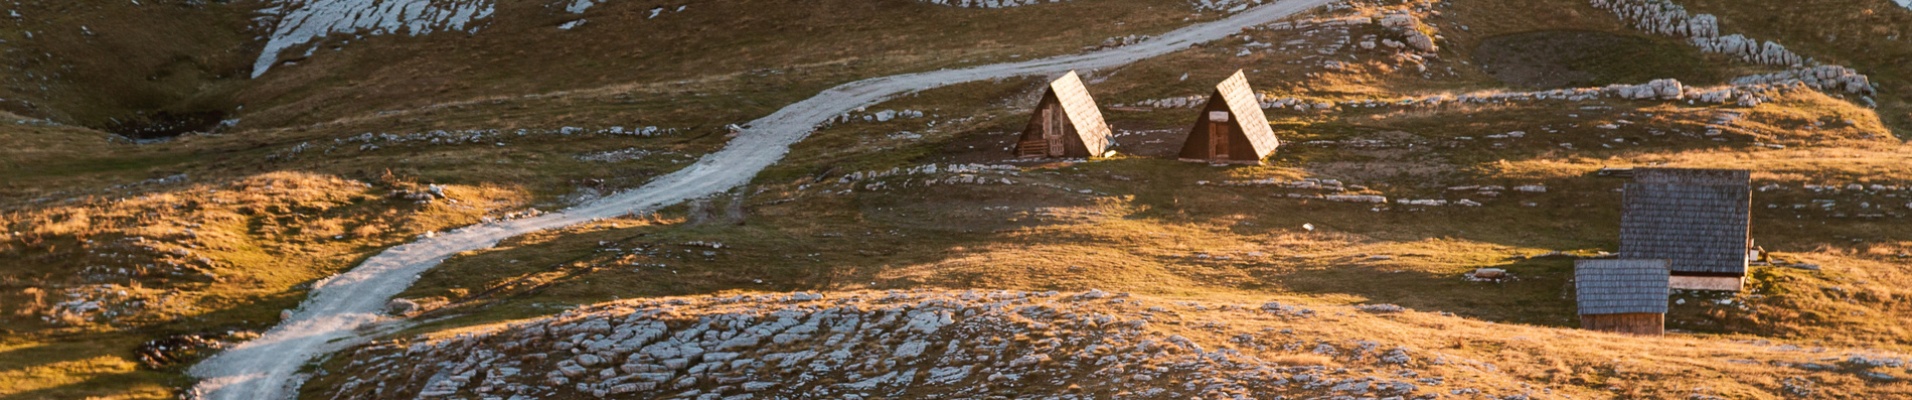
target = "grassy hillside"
x: 766, y: 53
x: 101, y: 64
x: 115, y: 249
x: 1091, y: 343
x: 205, y: 238
x: 1150, y: 225
x: 1868, y: 35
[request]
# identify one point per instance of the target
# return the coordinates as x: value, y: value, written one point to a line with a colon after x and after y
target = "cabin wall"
x: 1072, y: 138
x: 1196, y: 147
x: 1033, y: 130
x: 1071, y: 142
x: 1725, y: 283
x: 1245, y: 151
x: 1636, y: 323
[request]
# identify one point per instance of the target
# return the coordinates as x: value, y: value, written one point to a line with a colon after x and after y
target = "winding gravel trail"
x: 267, y: 367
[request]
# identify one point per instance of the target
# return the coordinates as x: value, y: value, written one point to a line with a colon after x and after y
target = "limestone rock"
x: 401, y: 307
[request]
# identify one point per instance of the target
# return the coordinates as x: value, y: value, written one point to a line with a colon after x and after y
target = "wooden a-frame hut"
x: 1231, y: 128
x: 1066, y: 124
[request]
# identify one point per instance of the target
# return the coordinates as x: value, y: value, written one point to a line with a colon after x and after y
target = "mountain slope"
x: 1481, y: 123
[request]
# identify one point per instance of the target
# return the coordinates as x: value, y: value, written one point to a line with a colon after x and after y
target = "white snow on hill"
x: 579, y: 6
x: 302, y: 22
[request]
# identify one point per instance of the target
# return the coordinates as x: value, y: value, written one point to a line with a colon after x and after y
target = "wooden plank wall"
x: 1637, y: 324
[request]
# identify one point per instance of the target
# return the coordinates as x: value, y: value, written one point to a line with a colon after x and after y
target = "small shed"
x: 1066, y: 124
x: 1231, y: 128
x: 1698, y: 220
x: 1626, y: 296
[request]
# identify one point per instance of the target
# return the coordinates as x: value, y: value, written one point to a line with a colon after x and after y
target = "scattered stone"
x: 401, y: 307
x: 866, y: 345
x: 1489, y: 274
x: 1381, y: 308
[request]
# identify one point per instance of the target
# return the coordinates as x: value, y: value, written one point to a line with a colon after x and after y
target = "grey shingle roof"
x: 1621, y: 286
x: 1695, y: 218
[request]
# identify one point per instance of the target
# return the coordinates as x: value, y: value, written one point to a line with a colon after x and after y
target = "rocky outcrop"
x: 401, y: 307
x: 1410, y: 27
x: 1658, y: 89
x: 1663, y: 17
x: 863, y: 345
x: 1228, y: 6
x: 1748, y: 50
x: 1746, y: 91
x: 1829, y: 78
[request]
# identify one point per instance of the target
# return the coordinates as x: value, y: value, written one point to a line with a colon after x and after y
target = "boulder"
x: 401, y: 307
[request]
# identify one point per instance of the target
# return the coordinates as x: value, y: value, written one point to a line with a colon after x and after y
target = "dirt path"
x: 267, y: 367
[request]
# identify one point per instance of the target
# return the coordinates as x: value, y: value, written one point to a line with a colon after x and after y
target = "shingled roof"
x: 1243, y: 104
x: 1697, y: 219
x: 1082, y: 112
x: 1621, y: 286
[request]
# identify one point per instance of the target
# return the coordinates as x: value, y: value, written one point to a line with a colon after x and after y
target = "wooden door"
x: 1053, y: 133
x: 1218, y: 133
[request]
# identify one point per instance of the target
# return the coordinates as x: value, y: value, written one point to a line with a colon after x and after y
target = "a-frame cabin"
x: 1066, y: 124
x: 1231, y: 128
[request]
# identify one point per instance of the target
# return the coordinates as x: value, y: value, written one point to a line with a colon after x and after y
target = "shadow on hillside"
x: 1540, y: 292
x: 111, y: 385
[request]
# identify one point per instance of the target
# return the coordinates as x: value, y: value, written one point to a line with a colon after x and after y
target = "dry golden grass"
x: 186, y: 258
x: 116, y: 69
x: 1462, y: 353
x: 1148, y: 226
x: 803, y: 47
x: 1854, y: 34
x: 275, y: 224
x: 53, y: 370
x: 221, y: 243
x: 263, y: 245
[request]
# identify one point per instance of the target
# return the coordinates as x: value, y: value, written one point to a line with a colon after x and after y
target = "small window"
x: 1218, y: 116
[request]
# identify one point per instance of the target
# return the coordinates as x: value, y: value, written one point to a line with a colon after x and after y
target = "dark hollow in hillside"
x: 142, y: 71
x: 1570, y: 58
x: 165, y: 124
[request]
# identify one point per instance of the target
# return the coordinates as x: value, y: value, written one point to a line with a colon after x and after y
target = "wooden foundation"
x: 1721, y: 283
x: 1650, y: 324
x: 1044, y: 135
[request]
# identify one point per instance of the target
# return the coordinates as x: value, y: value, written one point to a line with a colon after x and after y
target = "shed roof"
x: 1082, y: 112
x: 1695, y: 218
x: 1621, y: 286
x: 1244, y: 104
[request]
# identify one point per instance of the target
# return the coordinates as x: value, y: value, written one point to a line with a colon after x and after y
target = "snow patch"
x: 303, y: 22
x: 580, y: 6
